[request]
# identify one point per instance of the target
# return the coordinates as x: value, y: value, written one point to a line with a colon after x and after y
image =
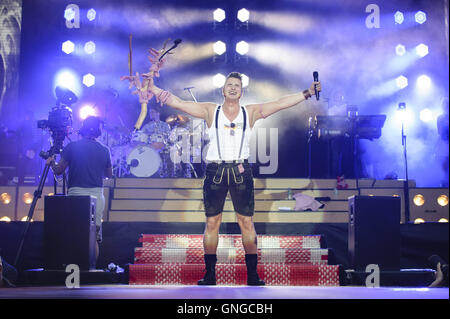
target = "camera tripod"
x: 38, y: 194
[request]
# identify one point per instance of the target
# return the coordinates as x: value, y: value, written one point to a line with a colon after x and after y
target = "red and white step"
x: 229, y: 241
x: 149, y: 255
x: 234, y: 274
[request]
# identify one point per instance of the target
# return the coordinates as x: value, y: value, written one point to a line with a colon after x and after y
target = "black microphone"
x: 175, y: 44
x: 316, y: 79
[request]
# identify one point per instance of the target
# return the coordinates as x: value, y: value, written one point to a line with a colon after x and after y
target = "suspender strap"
x: 217, y: 130
x: 243, y: 130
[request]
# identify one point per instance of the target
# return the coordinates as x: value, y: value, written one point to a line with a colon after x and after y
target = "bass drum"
x: 143, y: 161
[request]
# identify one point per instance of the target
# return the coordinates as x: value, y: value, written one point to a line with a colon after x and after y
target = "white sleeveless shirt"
x: 229, y: 143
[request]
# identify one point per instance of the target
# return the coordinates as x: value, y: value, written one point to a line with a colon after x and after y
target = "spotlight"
x: 442, y: 200
x: 403, y: 115
x: 219, y: 15
x: 243, y: 15
x: 27, y: 198
x: 401, y: 82
x: 245, y: 80
x: 5, y: 198
x: 68, y: 47
x: 400, y: 50
x: 422, y: 50
x: 5, y: 219
x: 426, y: 115
x: 443, y: 220
x: 24, y: 219
x: 219, y: 80
x: 69, y: 14
x: 419, y: 200
x: 89, y: 47
x: 242, y: 47
x: 68, y: 79
x: 86, y: 111
x: 220, y: 48
x: 91, y: 14
x: 423, y: 83
x: 399, y: 18
x: 88, y: 79
x: 420, y: 17
x: 419, y: 221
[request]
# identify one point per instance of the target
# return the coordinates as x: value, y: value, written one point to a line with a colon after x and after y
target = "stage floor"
x: 221, y: 292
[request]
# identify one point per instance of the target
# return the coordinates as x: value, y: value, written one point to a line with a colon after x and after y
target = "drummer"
x: 157, y: 130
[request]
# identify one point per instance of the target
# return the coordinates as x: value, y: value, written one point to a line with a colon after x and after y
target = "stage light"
x: 86, y: 111
x: 5, y: 219
x: 242, y: 47
x: 69, y: 14
x: 5, y: 198
x: 442, y: 200
x: 243, y: 15
x: 400, y: 50
x: 399, y: 18
x: 27, y: 198
x: 68, y: 47
x: 423, y: 84
x: 245, y: 80
x: 24, y: 219
x: 89, y: 47
x: 419, y: 221
x: 91, y: 14
x: 422, y: 50
x: 404, y: 116
x: 426, y: 115
x: 401, y: 82
x: 67, y: 79
x: 219, y: 80
x: 88, y: 79
x: 50, y: 194
x: 219, y: 15
x: 419, y: 200
x: 420, y: 17
x: 220, y: 48
x: 443, y: 220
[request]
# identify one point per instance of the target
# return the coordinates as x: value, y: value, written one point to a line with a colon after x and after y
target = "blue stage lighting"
x: 243, y: 15
x: 219, y: 47
x: 219, y: 15
x: 89, y: 47
x: 242, y: 47
x: 399, y: 18
x: 88, y: 80
x: 87, y: 110
x: 423, y: 84
x: 422, y: 50
x: 68, y: 79
x: 426, y: 115
x: 420, y: 17
x: 91, y: 14
x: 68, y: 47
x: 400, y: 50
x: 401, y: 82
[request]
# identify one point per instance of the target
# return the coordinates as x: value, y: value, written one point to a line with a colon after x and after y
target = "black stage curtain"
x: 120, y: 238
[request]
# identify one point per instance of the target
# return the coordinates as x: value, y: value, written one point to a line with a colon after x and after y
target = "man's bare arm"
x: 58, y: 168
x: 264, y: 110
x: 199, y: 110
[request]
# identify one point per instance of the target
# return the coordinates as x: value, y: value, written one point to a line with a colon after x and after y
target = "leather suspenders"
x: 243, y: 131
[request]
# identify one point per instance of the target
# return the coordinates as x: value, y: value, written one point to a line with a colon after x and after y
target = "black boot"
x: 210, y: 277
x: 251, y: 260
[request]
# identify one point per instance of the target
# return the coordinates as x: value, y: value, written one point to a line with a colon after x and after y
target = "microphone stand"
x: 406, y: 182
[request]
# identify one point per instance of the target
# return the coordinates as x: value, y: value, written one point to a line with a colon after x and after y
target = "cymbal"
x: 177, y: 119
x: 171, y: 119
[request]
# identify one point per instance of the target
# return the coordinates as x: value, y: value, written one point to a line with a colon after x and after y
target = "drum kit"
x: 148, y: 152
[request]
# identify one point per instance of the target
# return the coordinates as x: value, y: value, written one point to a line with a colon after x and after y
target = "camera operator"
x: 88, y: 161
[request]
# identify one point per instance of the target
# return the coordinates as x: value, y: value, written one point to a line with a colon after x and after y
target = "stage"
x: 221, y: 292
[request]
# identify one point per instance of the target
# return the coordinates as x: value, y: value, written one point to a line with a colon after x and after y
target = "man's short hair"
x: 91, y: 127
x: 235, y: 75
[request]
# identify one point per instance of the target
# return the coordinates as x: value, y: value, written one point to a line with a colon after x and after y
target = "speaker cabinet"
x: 69, y: 232
x: 374, y: 232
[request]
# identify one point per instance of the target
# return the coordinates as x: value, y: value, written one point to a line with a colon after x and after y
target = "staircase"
x: 282, y: 261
